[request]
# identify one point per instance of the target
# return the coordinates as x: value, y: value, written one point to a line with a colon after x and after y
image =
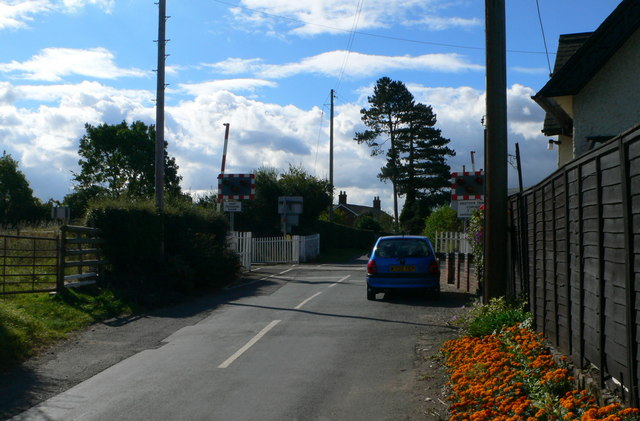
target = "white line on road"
x: 249, y: 344
x: 334, y: 284
x: 307, y: 300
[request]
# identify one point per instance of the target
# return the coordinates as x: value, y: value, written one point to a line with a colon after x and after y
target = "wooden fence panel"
x: 576, y: 245
x: 549, y: 275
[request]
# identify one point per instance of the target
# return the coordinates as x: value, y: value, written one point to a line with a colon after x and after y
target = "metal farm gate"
x: 51, y: 261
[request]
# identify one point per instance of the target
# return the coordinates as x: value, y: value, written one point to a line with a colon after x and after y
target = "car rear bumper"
x: 394, y: 281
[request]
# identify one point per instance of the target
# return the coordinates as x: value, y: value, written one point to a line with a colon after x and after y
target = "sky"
x: 267, y: 67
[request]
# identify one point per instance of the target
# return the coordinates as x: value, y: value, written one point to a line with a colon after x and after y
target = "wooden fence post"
x: 62, y: 236
x: 632, y: 347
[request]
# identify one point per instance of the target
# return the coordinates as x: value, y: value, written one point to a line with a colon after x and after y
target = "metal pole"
x: 519, y: 164
x: 331, y: 158
x: 224, y: 150
x: 496, y: 152
x: 160, y: 148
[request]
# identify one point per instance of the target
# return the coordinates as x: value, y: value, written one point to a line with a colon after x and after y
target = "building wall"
x: 608, y: 104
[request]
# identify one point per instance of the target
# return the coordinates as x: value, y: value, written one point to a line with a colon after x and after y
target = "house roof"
x: 568, y: 44
x: 359, y: 210
x: 595, y: 51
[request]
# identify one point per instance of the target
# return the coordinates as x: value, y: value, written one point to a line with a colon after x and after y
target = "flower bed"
x: 511, y: 375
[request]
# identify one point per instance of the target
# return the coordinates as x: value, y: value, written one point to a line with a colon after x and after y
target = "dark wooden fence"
x: 51, y: 261
x: 575, y: 252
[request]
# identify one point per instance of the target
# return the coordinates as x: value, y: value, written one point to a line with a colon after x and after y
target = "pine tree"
x: 389, y: 102
x: 423, y: 173
x: 416, y: 150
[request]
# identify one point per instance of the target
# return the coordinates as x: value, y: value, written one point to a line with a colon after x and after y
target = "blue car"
x: 403, y: 262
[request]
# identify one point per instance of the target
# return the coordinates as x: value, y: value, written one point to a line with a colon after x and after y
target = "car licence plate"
x: 402, y: 268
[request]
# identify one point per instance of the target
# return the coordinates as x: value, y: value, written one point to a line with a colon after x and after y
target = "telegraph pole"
x: 160, y: 149
x: 495, y: 257
x: 331, y: 157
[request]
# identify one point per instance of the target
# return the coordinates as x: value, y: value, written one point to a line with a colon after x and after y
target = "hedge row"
x: 193, y: 240
x: 336, y: 236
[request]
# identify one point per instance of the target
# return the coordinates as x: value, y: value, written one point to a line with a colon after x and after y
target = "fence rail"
x: 294, y: 249
x: 452, y: 242
x: 29, y: 264
x: 573, y: 252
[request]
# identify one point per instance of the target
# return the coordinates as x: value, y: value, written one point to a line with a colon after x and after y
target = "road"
x: 307, y: 346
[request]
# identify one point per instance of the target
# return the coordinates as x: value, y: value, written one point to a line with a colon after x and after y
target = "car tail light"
x: 372, y: 267
x: 434, y: 267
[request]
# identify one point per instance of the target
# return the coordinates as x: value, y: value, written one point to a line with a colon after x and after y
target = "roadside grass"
x: 30, y: 322
x: 339, y: 255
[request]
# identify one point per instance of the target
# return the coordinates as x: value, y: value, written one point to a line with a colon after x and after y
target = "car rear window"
x: 403, y: 247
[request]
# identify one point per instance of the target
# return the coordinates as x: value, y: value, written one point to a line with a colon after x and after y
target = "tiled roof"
x: 589, y: 57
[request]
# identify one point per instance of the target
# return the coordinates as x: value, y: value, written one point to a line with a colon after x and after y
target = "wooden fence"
x: 575, y: 252
x: 50, y: 262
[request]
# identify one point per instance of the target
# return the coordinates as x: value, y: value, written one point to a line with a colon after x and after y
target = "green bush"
x: 485, y: 319
x: 443, y: 219
x: 336, y: 236
x: 195, y: 253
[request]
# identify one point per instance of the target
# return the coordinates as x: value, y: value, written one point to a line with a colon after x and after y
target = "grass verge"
x: 30, y: 322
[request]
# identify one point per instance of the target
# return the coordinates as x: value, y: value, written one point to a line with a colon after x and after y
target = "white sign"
x: 288, y: 205
x: 467, y: 207
x: 232, y: 206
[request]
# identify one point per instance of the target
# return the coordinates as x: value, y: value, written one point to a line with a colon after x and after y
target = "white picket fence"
x: 452, y: 242
x: 292, y: 249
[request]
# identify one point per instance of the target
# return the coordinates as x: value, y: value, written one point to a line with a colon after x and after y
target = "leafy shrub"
x: 194, y: 241
x: 483, y: 320
x: 443, y: 219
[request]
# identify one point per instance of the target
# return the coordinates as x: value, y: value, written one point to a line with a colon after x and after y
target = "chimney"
x: 376, y: 202
x: 342, y: 198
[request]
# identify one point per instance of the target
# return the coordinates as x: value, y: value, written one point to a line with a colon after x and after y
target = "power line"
x: 544, y: 39
x: 354, y: 26
x: 415, y: 41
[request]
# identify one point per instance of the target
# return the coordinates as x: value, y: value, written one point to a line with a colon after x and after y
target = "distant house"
x: 594, y: 91
x: 351, y: 212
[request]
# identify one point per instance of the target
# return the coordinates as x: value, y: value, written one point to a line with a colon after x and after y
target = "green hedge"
x: 336, y: 236
x: 194, y: 256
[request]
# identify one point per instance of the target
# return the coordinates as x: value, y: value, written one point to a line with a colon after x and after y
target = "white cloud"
x: 330, y: 64
x: 336, y: 16
x: 531, y: 70
x: 52, y: 64
x: 438, y: 23
x: 75, y: 5
x: 44, y: 139
x: 15, y: 14
x: 207, y: 88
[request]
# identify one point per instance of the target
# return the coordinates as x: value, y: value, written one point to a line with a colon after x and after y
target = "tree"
x: 417, y: 151
x: 443, y: 219
x: 119, y: 159
x: 17, y: 203
x: 261, y: 215
x: 389, y: 102
x: 423, y: 174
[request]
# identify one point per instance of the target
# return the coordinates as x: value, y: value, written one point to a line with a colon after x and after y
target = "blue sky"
x: 266, y: 67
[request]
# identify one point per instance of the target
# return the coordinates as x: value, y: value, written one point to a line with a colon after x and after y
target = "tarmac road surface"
x: 305, y: 345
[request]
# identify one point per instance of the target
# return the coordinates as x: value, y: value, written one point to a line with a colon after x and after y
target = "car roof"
x: 399, y: 237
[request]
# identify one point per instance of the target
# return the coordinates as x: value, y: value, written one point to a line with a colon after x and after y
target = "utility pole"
x: 160, y: 149
x: 495, y: 257
x: 224, y: 160
x: 331, y: 157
